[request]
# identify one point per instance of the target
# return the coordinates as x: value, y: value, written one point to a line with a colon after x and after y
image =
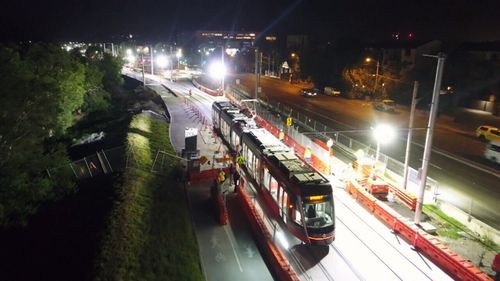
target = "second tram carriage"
x: 295, y: 193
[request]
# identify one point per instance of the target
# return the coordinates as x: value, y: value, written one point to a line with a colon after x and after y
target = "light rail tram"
x: 296, y: 195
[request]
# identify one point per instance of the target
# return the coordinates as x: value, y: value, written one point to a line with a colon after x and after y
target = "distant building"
x: 232, y: 39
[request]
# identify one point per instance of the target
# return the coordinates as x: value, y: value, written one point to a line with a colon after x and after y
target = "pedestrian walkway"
x: 227, y: 252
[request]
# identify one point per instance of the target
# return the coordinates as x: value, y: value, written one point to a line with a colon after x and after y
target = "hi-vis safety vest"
x: 240, y: 160
x: 221, y: 177
x: 307, y: 153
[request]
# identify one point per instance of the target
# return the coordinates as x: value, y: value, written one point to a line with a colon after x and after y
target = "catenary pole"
x: 410, y: 133
x: 428, y: 140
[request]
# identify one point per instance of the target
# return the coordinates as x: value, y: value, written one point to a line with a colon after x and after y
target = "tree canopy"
x: 42, y: 89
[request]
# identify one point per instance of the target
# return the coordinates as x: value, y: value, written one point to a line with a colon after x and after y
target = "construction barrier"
x: 279, y: 265
x: 446, y: 259
x: 205, y: 89
x: 406, y: 198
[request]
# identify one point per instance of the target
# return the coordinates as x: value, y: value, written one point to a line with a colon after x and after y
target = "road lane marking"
x: 231, y: 237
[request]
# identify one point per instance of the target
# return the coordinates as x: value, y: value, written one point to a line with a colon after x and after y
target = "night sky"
x: 159, y: 20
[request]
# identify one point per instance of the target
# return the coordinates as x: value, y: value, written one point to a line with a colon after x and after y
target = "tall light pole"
x: 257, y: 74
x: 151, y: 53
x: 222, y: 59
x: 430, y: 130
x: 410, y: 133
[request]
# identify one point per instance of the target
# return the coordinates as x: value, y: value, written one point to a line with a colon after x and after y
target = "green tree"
x: 111, y: 68
x: 96, y: 98
x: 40, y: 92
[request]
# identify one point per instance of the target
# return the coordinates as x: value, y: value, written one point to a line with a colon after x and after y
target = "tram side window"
x: 256, y: 167
x: 284, y: 201
x: 245, y: 154
x: 225, y: 130
x: 250, y: 161
x: 266, y: 179
x: 235, y: 139
x: 283, y: 204
x: 274, y: 189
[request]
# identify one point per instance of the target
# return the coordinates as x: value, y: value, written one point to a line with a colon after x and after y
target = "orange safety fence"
x: 278, y: 262
x: 446, y: 259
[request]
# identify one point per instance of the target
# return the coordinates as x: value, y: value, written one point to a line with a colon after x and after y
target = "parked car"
x: 385, y: 105
x: 329, y: 91
x: 488, y: 133
x: 492, y: 151
x: 309, y: 93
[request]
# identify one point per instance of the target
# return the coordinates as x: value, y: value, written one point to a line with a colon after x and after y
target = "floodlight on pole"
x: 217, y: 70
x: 383, y: 134
x: 161, y: 61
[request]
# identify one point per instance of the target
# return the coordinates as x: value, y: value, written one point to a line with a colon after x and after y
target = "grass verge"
x: 451, y: 228
x: 150, y: 234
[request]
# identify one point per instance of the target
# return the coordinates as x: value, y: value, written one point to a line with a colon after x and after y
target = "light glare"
x: 217, y: 70
x: 384, y: 133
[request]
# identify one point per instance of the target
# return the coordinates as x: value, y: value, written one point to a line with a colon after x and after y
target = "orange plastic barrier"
x: 278, y: 263
x: 406, y: 198
x: 447, y: 260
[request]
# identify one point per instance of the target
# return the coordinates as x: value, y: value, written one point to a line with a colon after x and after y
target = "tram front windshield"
x: 318, y: 211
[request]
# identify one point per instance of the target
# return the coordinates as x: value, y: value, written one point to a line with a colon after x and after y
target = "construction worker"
x: 221, y: 177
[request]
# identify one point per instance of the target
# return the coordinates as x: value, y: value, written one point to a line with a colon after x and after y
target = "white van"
x: 492, y: 151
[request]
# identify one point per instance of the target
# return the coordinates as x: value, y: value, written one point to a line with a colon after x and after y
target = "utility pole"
x: 410, y: 133
x: 430, y: 129
x: 143, y: 76
x: 257, y: 74
x: 269, y: 64
x: 222, y: 84
x: 376, y: 79
x: 151, y: 50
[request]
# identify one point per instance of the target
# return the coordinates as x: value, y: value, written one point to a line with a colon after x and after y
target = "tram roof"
x: 267, y: 141
x: 295, y: 168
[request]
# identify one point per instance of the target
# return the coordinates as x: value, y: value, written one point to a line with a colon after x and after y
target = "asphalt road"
x: 462, y: 182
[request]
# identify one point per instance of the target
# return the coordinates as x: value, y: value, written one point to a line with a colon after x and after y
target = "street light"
x: 368, y: 60
x: 383, y: 134
x: 161, y: 61
x: 218, y: 70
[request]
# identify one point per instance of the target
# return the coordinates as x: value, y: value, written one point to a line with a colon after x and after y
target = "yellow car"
x: 488, y: 133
